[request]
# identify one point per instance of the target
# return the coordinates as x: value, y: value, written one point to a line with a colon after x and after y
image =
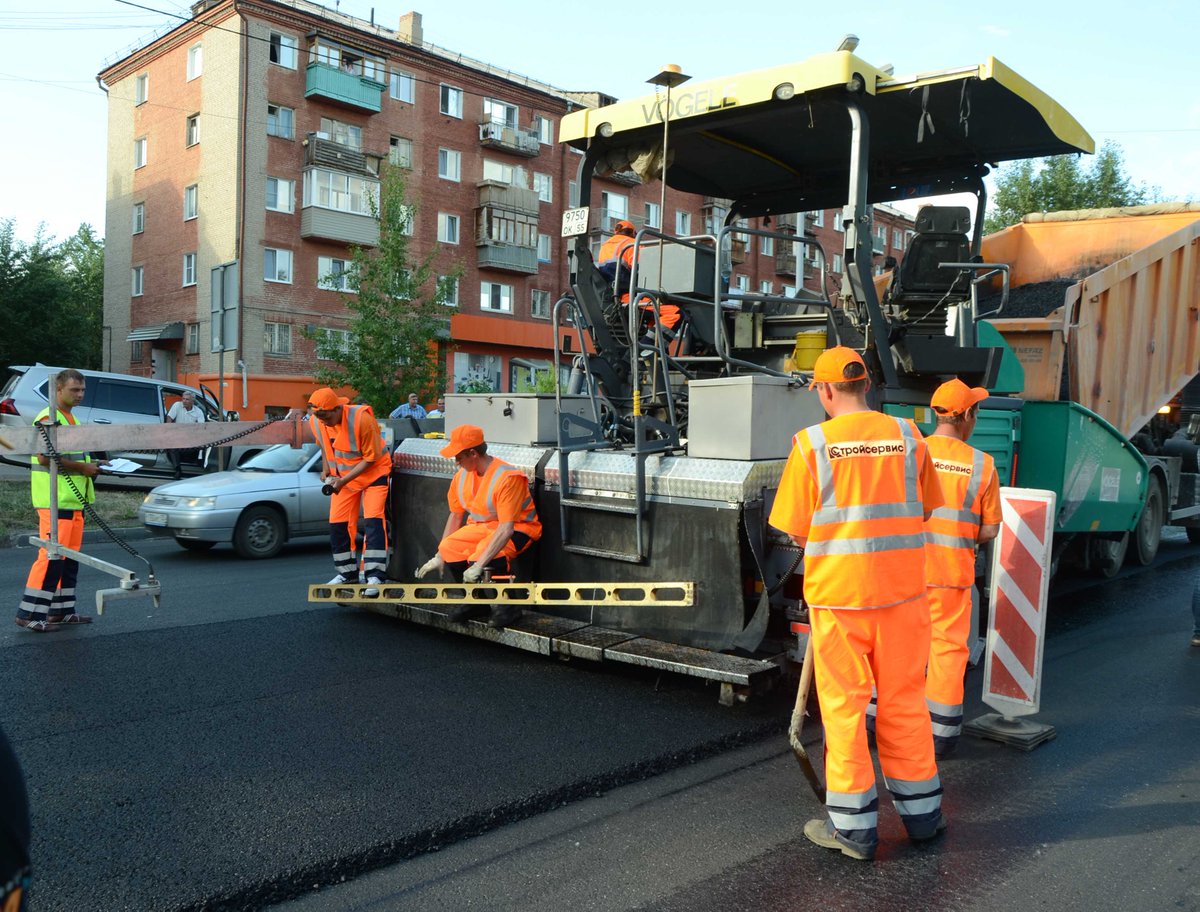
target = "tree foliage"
x: 399, y: 313
x: 1060, y: 183
x: 51, y: 299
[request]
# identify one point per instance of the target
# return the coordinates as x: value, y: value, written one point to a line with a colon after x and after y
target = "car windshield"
x: 280, y: 458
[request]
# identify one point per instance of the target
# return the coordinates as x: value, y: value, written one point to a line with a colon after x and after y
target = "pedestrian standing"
x: 185, y: 411
x: 855, y: 493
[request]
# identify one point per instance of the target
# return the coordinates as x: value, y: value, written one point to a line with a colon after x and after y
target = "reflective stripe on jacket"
x: 340, y: 445
x: 479, y: 502
x: 952, y: 530
x: 39, y: 477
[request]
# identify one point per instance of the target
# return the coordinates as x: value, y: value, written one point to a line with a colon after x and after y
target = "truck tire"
x: 260, y: 533
x: 1106, y: 555
x: 1148, y: 534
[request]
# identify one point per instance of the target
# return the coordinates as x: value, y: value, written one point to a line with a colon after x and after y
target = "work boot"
x: 938, y: 829
x: 1196, y: 639
x: 341, y: 579
x: 503, y: 615
x: 372, y: 590
x: 823, y: 834
x: 461, y: 613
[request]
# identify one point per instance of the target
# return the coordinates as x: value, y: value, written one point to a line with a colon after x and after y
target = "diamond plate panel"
x: 422, y: 456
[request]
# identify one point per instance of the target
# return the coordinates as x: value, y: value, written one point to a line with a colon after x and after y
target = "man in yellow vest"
x: 969, y: 517
x: 356, y: 467
x: 49, y: 602
x: 855, y: 493
x: 492, y: 518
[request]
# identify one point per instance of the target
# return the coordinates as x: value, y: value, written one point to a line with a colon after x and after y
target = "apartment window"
x: 545, y: 129
x: 767, y: 246
x: 683, y: 223
x: 908, y: 236
x: 837, y: 262
x: 407, y: 214
x: 403, y: 86
x: 338, y: 342
x: 543, y: 248
x: 192, y: 131
x: 539, y: 304
x: 192, y: 343
x: 837, y: 221
x: 447, y: 228
x: 448, y: 286
x: 544, y: 185
x: 819, y: 218
x: 897, y: 238
x: 741, y: 282
x: 335, y: 274
x: 452, y: 101
x: 572, y: 194
x: 281, y: 194
x: 280, y: 121
x: 191, y: 203
x: 344, y: 133
x: 195, y: 61
x: 789, y: 291
x: 400, y: 152
x: 139, y: 218
x: 339, y: 191
x: 498, y: 171
x: 283, y: 50
x: 277, y: 338
x: 615, y: 206
x: 189, y: 269
x: 495, y: 296
x: 764, y: 287
x: 141, y: 88
x: 137, y: 281
x: 500, y: 112
x: 139, y: 152
x: 653, y: 215
x: 449, y: 164
x: 277, y: 265
x: 880, y: 236
x: 135, y: 351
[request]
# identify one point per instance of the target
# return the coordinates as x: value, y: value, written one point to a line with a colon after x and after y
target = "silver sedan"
x: 271, y: 498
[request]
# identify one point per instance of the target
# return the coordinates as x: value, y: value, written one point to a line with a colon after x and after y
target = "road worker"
x: 969, y: 517
x: 615, y: 263
x: 855, y: 493
x: 355, y: 467
x: 492, y: 518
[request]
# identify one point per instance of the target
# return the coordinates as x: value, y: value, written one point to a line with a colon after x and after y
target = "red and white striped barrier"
x: 1012, y: 676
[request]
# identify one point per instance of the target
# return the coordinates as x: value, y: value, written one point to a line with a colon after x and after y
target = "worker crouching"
x: 492, y: 519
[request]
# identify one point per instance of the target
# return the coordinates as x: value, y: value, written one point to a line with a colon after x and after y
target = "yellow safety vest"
x: 39, y: 477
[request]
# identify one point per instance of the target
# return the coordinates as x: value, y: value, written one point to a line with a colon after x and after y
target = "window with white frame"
x: 495, y: 296
x: 837, y: 262
x: 400, y: 152
x: 881, y: 235
x: 615, y: 205
x: 837, y: 221
x: 283, y: 50
x: 407, y: 220
x: 195, y: 61
x: 137, y: 280
x: 898, y: 238
x: 539, y: 304
x: 449, y: 164
x: 344, y: 133
x: 741, y: 282
x: 544, y: 185
x: 336, y: 274
x: 472, y: 371
x: 339, y: 191
x: 277, y: 338
x: 451, y: 101
x: 653, y: 215
x: 281, y: 194
x: 683, y: 223
x: 141, y: 88
x: 543, y: 248
x: 139, y: 152
x: 337, y: 344
x: 909, y: 234
x: 500, y: 112
x: 545, y: 129
x: 572, y: 193
x: 498, y: 171
x: 789, y: 291
x: 192, y: 343
x: 281, y: 121
x: 139, y: 218
x: 819, y: 218
x: 447, y: 228
x: 764, y: 287
x: 766, y: 246
x: 191, y: 202
x: 189, y: 269
x: 277, y: 265
x: 448, y: 286
x: 192, y: 130
x: 402, y: 86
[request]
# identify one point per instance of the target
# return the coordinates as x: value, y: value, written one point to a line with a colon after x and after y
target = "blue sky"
x: 1127, y: 72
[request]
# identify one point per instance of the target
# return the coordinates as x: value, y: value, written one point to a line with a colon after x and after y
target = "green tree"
x: 399, y: 313
x: 1060, y: 183
x: 83, y: 319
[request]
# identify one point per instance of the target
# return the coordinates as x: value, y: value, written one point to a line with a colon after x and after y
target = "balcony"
x: 785, y: 264
x: 340, y: 227
x: 507, y: 257
x: 323, y: 152
x: 494, y: 135
x: 737, y: 250
x: 498, y: 195
x: 607, y: 219
x: 624, y: 178
x: 350, y: 89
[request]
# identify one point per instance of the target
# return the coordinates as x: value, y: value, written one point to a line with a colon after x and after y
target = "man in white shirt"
x: 185, y: 411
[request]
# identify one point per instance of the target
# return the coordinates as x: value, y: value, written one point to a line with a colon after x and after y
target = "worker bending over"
x: 615, y: 263
x: 969, y: 517
x: 356, y: 465
x: 492, y: 518
x: 855, y: 493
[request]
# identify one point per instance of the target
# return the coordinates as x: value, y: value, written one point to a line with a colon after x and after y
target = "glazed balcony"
x: 350, y: 89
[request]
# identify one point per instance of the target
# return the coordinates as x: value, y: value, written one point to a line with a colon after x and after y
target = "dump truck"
x: 654, y: 468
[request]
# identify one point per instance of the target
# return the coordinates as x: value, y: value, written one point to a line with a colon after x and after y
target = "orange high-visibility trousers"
x: 50, y: 586
x: 343, y: 528
x: 887, y: 648
x: 950, y: 619
x: 468, y: 542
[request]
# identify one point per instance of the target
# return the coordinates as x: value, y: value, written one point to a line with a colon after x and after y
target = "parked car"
x: 269, y: 499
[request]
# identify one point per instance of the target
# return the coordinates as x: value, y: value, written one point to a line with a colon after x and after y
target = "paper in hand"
x: 122, y: 466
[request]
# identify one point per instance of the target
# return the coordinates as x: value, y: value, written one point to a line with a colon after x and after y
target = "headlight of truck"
x: 198, y: 503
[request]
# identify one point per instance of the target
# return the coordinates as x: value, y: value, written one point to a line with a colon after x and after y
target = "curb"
x: 90, y: 536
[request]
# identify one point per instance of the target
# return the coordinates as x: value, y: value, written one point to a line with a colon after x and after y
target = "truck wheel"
x: 1106, y: 555
x: 1148, y: 534
x: 260, y: 533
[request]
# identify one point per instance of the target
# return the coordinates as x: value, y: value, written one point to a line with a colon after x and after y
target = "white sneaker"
x: 372, y: 591
x: 339, y: 580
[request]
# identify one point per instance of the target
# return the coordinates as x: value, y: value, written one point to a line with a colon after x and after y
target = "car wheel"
x: 260, y: 533
x: 191, y: 544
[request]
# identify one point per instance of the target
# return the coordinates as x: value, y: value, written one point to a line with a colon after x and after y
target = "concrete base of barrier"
x: 1018, y: 732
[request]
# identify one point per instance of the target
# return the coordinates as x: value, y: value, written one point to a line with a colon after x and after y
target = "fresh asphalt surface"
x: 238, y: 747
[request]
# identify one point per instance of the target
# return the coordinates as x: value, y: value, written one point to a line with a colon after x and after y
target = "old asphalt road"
x: 239, y: 748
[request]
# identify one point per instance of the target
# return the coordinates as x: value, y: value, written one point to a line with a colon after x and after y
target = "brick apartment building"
x: 253, y: 133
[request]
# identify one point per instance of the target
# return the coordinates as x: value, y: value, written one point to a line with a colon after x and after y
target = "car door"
x: 125, y: 402
x: 314, y: 506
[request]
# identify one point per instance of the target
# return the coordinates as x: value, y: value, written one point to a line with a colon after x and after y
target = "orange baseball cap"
x: 954, y: 397
x: 462, y: 438
x: 832, y: 363
x: 325, y: 398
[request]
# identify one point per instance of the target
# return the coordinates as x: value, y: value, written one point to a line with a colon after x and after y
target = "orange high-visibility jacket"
x: 855, y: 491
x: 971, y: 495
x: 354, y: 440
x: 501, y: 494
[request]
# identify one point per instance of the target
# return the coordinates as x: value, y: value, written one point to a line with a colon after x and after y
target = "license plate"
x: 155, y: 519
x: 575, y: 222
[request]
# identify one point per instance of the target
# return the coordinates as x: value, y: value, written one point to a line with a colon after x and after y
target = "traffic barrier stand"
x: 1012, y: 677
